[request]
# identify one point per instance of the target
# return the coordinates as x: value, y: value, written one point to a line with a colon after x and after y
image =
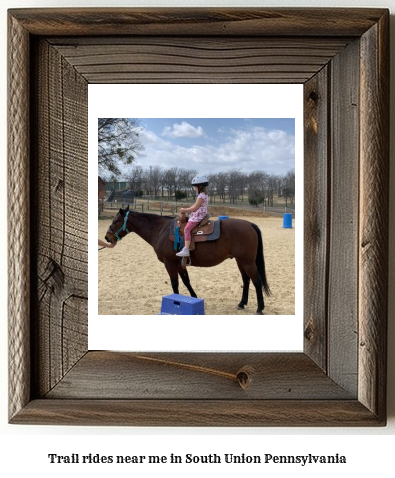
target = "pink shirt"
x: 201, y: 213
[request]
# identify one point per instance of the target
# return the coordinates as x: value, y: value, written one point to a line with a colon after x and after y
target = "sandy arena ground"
x: 132, y: 281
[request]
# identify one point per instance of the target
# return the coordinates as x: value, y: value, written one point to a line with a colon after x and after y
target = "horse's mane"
x: 151, y: 215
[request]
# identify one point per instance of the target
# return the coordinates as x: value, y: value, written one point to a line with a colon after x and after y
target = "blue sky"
x: 218, y: 145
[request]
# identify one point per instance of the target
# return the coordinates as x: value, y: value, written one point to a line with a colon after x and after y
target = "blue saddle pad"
x: 210, y: 237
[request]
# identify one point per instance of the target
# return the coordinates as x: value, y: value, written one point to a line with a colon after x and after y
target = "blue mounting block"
x: 176, y: 304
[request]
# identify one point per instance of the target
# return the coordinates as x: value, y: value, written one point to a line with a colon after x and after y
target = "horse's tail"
x: 260, y: 261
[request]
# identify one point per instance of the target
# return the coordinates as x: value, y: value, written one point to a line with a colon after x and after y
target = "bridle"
x: 123, y: 228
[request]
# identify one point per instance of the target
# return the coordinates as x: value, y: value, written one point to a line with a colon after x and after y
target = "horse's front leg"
x: 172, y: 270
x: 185, y: 279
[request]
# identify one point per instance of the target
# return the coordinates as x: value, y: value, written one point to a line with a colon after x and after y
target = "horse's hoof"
x: 259, y: 312
x: 240, y: 307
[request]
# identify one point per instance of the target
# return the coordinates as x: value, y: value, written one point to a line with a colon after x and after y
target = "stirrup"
x: 186, y: 261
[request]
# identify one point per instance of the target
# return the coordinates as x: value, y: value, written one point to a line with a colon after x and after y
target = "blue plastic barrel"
x: 223, y: 217
x: 287, y: 221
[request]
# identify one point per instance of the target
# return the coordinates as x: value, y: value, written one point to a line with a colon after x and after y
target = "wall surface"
x: 366, y: 456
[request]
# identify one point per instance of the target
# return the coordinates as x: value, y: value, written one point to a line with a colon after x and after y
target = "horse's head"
x: 119, y: 226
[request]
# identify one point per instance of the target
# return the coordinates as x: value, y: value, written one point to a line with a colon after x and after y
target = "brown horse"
x: 239, y: 239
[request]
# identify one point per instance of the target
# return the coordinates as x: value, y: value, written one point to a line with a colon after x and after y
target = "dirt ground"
x: 132, y: 281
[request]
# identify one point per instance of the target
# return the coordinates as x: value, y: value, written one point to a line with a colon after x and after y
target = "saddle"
x: 206, y: 230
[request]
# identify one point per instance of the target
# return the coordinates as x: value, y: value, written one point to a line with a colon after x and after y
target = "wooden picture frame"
x: 342, y: 58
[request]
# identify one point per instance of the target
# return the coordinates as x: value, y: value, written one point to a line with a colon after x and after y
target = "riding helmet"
x: 200, y: 181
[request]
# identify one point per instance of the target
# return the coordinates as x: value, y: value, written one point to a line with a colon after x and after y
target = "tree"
x: 221, y: 183
x: 173, y: 178
x: 272, y: 187
x: 289, y: 187
x: 118, y: 143
x: 155, y: 178
x: 186, y: 176
x: 167, y: 181
x: 234, y: 181
x: 135, y: 178
x: 257, y: 186
x: 180, y: 195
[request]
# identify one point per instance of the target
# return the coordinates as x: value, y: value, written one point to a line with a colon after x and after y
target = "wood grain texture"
x: 18, y: 213
x: 60, y: 237
x: 344, y: 216
x: 202, y: 413
x: 196, y: 376
x: 373, y: 227
x: 340, y: 377
x: 317, y: 198
x: 328, y: 22
x: 186, y: 60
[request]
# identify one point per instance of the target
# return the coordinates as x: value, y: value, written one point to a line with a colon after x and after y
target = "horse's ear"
x: 127, y: 209
x: 122, y: 212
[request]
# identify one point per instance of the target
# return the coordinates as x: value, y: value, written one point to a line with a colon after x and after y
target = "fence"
x: 166, y: 208
x: 117, y: 205
x: 163, y: 208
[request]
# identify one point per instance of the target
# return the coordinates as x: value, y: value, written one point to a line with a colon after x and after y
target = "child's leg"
x: 187, y: 239
x: 187, y: 233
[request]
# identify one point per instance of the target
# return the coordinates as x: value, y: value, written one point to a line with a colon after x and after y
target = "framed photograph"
x: 341, y: 57
x: 231, y: 143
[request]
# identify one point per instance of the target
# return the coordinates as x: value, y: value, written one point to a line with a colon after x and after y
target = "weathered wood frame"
x: 342, y: 58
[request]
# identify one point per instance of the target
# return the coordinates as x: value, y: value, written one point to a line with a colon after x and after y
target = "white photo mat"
x: 194, y: 333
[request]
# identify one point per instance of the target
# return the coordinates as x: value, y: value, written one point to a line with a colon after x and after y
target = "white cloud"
x: 149, y: 137
x: 183, y: 130
x: 247, y: 149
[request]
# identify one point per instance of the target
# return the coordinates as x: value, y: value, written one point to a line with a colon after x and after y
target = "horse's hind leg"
x: 185, y: 279
x: 252, y: 272
x: 246, y: 286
